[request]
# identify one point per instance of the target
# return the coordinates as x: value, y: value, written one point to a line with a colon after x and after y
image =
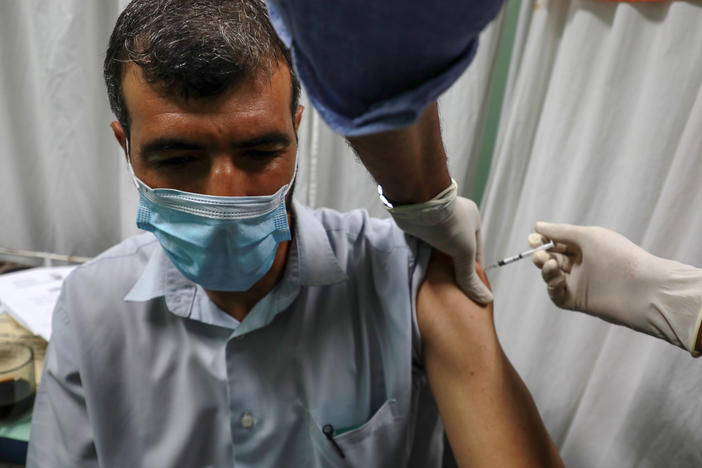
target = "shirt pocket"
x: 379, y: 442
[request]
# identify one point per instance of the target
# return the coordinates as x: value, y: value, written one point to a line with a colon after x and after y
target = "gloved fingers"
x: 539, y: 258
x: 551, y: 271
x: 535, y: 239
x: 555, y: 282
x: 563, y: 262
x: 469, y: 281
x: 567, y: 233
x: 477, y: 290
x: 554, y: 265
x: 557, y: 291
x: 483, y: 276
x: 564, y: 248
x: 478, y: 248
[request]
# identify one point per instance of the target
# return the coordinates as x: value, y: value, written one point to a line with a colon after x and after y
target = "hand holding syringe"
x: 526, y: 253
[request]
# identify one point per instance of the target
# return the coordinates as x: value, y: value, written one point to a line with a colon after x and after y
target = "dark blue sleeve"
x: 372, y: 65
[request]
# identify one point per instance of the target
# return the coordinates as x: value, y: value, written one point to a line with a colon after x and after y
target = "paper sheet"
x: 30, y: 295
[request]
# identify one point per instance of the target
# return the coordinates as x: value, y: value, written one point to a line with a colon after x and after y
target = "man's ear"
x: 121, y: 137
x: 298, y: 116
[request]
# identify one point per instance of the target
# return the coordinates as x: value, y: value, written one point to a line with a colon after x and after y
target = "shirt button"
x: 247, y: 421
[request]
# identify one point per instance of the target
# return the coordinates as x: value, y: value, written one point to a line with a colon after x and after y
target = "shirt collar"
x: 161, y: 278
x: 311, y: 262
x: 316, y: 260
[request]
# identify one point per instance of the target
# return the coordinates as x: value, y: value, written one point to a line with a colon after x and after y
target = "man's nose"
x: 224, y: 179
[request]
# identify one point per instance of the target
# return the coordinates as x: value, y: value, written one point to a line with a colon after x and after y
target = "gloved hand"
x: 600, y: 272
x: 450, y: 224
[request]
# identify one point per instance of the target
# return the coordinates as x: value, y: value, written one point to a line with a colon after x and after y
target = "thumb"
x: 535, y: 240
x: 478, y: 247
x: 473, y: 286
x: 558, y: 232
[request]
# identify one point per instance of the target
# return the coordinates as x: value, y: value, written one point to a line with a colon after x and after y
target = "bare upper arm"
x: 451, y: 324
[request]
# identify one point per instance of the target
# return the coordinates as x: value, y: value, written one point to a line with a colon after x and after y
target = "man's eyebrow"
x: 159, y: 145
x: 267, y: 139
x: 154, y: 147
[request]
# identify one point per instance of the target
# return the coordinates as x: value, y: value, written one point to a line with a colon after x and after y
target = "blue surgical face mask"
x: 220, y: 243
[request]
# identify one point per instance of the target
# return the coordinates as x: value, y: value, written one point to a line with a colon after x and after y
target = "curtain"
x: 58, y: 162
x: 601, y: 125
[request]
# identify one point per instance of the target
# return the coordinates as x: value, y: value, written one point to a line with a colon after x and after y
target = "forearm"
x: 409, y: 163
x: 488, y: 413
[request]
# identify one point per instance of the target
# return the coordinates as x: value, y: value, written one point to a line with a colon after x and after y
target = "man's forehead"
x: 259, y: 97
x: 274, y: 84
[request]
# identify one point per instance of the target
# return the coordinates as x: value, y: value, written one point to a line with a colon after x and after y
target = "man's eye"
x: 175, y: 162
x: 263, y: 154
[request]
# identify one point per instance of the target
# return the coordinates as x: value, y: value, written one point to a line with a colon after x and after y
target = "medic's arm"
x: 374, y: 74
x: 489, y: 415
x: 410, y: 164
x: 602, y: 273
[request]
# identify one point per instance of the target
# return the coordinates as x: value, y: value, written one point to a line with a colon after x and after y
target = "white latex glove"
x: 602, y: 273
x: 450, y: 224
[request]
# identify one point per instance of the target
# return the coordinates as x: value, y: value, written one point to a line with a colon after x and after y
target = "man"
x: 244, y: 329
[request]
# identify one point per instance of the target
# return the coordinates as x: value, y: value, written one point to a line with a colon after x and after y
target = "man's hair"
x: 193, y: 48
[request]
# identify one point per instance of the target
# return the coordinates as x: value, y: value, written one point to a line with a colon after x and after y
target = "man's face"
x: 241, y: 143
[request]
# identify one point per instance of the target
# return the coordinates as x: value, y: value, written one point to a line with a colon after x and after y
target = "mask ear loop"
x: 290, y: 184
x: 129, y: 165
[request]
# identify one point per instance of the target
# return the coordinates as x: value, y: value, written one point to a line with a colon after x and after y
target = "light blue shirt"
x: 144, y: 370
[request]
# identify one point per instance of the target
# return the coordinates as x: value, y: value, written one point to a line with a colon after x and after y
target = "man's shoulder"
x: 119, y: 265
x: 358, y: 227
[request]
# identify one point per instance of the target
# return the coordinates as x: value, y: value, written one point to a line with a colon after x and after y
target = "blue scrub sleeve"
x: 371, y: 66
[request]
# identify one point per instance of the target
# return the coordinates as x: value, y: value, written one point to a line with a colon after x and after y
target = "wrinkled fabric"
x: 144, y: 370
x: 601, y: 126
x: 374, y: 66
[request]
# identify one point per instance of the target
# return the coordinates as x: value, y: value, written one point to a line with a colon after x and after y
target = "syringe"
x: 526, y: 253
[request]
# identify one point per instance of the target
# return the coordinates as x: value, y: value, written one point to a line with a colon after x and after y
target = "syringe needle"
x: 519, y: 256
